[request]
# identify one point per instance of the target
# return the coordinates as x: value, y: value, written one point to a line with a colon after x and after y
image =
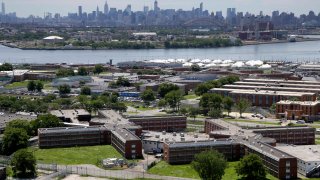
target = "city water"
x: 301, y: 52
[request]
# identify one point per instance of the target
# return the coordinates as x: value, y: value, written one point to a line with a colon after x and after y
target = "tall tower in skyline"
x: 156, y: 6
x: 201, y: 7
x: 106, y: 8
x: 3, y: 8
x: 80, y: 11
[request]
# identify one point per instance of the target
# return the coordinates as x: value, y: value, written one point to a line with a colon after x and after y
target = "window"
x: 133, y: 146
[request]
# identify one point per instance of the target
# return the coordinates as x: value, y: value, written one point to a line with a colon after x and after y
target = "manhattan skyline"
x: 26, y: 8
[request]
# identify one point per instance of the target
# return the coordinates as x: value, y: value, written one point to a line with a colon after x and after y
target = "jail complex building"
x: 265, y: 92
x: 235, y: 142
x: 122, y: 139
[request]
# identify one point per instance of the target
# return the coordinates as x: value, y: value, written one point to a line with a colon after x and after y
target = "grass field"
x: 190, y: 96
x: 186, y: 171
x: 21, y: 84
x: 253, y: 121
x: 318, y: 141
x: 75, y: 155
x: 24, y: 84
x: 195, y: 122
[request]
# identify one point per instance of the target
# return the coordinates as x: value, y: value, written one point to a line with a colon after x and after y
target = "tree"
x: 39, y: 86
x: 165, y: 88
x: 123, y: 82
x: 31, y: 86
x: 45, y: 121
x: 183, y: 111
x: 64, y: 89
x: 148, y: 96
x: 22, y: 124
x: 210, y: 102
x: 193, y: 112
x: 85, y: 90
x: 215, y: 113
x: 98, y: 69
x: 195, y: 67
x: 6, y: 67
x: 202, y: 89
x: 210, y: 165
x: 173, y: 98
x: 82, y: 71
x: 251, y: 168
x: 273, y: 108
x: 228, y: 103
x: 162, y: 103
x: 24, y: 164
x: 65, y: 73
x: 14, y: 139
x: 242, y: 106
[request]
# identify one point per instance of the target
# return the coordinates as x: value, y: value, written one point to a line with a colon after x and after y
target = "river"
x: 302, y: 51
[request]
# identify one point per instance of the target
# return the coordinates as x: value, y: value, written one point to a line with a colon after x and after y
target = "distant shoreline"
x: 245, y: 43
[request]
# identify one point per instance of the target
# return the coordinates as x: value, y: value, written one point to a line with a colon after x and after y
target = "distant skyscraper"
x: 3, y: 8
x: 98, y: 10
x: 156, y: 6
x: 80, y: 11
x: 145, y: 9
x: 128, y: 9
x: 201, y: 7
x: 106, y: 8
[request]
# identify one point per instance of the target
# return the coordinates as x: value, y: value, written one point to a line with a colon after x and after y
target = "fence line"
x: 96, y: 172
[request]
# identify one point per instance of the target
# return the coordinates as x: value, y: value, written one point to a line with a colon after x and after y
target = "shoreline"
x: 245, y: 43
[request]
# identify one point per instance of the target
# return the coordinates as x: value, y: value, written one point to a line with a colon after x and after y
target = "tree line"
x: 201, y: 43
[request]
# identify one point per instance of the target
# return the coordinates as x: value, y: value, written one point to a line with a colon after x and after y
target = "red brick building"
x: 160, y: 123
x: 298, y: 110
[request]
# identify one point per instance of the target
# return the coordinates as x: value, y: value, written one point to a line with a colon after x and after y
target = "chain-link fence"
x: 84, y: 170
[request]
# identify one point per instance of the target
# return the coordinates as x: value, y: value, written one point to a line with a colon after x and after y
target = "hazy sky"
x: 38, y: 7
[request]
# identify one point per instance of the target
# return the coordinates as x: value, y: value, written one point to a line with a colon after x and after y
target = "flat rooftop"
x: 282, y: 81
x: 174, y: 137
x: 308, y: 153
x: 263, y: 92
x: 273, y: 88
x: 200, y: 143
x: 110, y: 117
x: 124, y: 135
x: 71, y: 114
x: 303, y: 103
x: 272, y: 84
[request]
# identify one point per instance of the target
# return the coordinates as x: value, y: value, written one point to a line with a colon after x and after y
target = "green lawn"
x: 191, y: 96
x: 186, y: 171
x: 252, y: 121
x: 21, y: 84
x: 195, y: 122
x: 165, y: 169
x: 75, y: 155
x: 24, y: 84
x: 318, y: 141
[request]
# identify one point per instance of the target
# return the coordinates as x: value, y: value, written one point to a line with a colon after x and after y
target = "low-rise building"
x: 72, y: 115
x: 298, y: 110
x: 127, y: 143
x: 172, y: 123
x: 308, y: 158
